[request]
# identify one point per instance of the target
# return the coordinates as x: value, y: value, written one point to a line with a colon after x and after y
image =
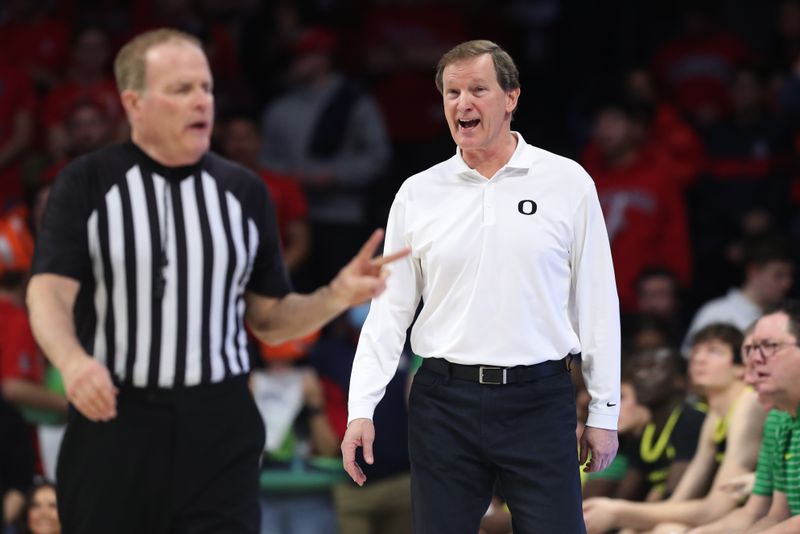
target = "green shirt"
x: 764, y: 480
x: 786, y: 460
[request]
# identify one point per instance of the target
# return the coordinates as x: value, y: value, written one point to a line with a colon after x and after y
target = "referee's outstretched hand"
x: 360, y: 433
x: 89, y: 388
x: 364, y: 277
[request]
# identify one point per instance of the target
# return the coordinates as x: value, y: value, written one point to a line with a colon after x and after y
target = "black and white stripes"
x: 195, y: 332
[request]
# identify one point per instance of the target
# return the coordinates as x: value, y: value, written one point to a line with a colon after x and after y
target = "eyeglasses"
x: 766, y: 348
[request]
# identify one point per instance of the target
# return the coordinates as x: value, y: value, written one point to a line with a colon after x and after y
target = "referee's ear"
x: 131, y: 102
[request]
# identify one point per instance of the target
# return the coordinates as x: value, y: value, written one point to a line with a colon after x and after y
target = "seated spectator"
x: 768, y: 277
x: 776, y: 358
x: 633, y: 418
x: 241, y: 142
x: 728, y: 445
x: 762, y: 484
x: 17, y: 460
x: 643, y: 332
x: 41, y: 510
x: 660, y: 454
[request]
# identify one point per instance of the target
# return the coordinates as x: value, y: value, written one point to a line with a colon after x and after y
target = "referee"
x: 151, y: 256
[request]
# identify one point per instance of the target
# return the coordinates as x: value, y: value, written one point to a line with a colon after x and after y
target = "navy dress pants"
x: 465, y: 436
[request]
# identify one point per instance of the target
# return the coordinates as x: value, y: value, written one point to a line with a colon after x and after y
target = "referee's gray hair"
x: 129, y: 65
x: 504, y: 66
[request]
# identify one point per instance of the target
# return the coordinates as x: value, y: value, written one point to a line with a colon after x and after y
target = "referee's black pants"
x: 464, y: 436
x: 172, y: 461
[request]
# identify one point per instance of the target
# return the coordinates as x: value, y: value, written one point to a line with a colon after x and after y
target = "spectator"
x: 327, y: 134
x: 778, y: 379
x: 633, y: 419
x: 241, y: 142
x: 758, y: 502
x: 643, y: 209
x: 667, y: 131
x: 41, y: 512
x: 768, y: 272
x: 659, y: 295
x: 660, y: 455
x: 727, y: 448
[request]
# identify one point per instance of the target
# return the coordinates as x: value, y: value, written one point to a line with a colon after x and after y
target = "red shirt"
x: 290, y: 202
x: 41, y: 43
x: 646, y: 219
x: 19, y: 355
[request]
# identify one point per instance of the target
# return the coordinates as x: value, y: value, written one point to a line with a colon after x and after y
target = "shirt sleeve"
x: 384, y: 333
x: 595, y: 311
x: 268, y: 277
x: 62, y: 245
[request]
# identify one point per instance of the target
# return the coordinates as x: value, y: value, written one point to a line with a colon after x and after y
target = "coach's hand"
x: 89, y: 388
x: 360, y: 433
x: 599, y: 446
x: 364, y: 277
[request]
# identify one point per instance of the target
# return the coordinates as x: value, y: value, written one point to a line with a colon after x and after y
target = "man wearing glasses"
x: 775, y: 357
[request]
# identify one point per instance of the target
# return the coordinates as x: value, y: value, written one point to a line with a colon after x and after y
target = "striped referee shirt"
x: 164, y: 256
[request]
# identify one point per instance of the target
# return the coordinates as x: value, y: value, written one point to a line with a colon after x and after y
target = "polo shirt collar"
x: 518, y: 165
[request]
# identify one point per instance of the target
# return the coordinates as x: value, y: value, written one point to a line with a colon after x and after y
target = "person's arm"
x: 788, y: 526
x: 739, y: 520
x: 675, y: 474
x: 380, y: 344
x: 701, y: 468
x: 87, y: 382
x: 275, y: 320
x: 778, y: 514
x: 29, y: 394
x: 594, y: 314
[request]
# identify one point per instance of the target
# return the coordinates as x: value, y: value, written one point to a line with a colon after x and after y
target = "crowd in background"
x: 686, y: 115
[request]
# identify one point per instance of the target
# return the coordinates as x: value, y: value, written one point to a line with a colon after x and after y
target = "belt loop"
x: 449, y: 376
x: 569, y: 363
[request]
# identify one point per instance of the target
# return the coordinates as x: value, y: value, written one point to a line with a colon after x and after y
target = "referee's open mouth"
x: 199, y: 126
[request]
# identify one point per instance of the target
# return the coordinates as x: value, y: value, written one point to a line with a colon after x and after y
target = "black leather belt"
x: 488, y: 374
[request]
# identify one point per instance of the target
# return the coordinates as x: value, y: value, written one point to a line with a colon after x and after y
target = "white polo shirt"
x: 512, y: 270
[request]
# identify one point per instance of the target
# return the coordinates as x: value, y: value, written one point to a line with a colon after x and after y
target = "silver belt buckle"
x: 482, y: 379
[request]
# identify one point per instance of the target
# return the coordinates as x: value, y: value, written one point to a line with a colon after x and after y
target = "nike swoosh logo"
x: 788, y: 456
x: 610, y: 404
